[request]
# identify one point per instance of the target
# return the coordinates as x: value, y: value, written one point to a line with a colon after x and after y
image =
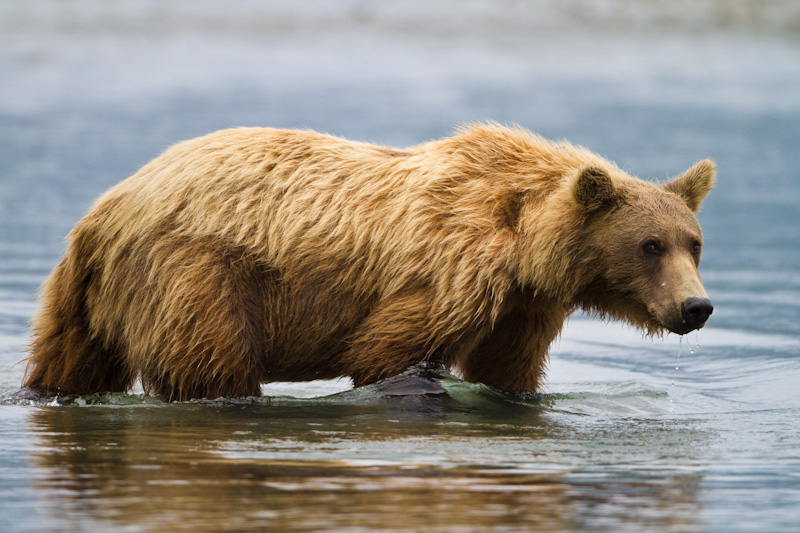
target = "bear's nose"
x: 695, y: 311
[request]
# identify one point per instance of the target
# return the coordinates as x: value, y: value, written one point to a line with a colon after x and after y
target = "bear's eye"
x: 696, y: 247
x: 651, y: 247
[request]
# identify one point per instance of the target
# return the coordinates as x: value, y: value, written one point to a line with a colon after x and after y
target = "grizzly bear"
x: 253, y: 255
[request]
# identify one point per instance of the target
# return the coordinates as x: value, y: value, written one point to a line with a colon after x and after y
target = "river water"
x: 693, y: 434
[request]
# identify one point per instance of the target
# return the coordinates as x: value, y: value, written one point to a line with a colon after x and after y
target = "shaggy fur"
x: 253, y: 255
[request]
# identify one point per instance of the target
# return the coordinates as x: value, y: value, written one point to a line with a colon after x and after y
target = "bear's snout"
x: 695, y: 312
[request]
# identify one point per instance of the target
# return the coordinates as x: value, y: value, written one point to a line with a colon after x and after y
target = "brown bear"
x: 253, y: 255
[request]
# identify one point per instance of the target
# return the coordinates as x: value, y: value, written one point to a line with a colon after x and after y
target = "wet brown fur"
x: 253, y: 255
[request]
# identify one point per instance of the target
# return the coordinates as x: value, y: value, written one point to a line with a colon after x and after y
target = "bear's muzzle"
x: 695, y: 312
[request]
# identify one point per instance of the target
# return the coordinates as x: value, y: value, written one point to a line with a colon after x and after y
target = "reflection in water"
x: 314, y: 467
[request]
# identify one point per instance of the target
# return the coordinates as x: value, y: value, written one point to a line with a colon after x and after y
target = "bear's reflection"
x: 215, y: 467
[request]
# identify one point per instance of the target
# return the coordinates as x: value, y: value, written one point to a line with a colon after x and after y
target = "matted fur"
x: 252, y: 255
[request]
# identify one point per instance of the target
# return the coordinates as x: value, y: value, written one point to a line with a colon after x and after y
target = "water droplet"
x: 674, y: 375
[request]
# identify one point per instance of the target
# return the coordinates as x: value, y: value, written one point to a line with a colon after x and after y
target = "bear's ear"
x: 695, y: 183
x: 594, y: 189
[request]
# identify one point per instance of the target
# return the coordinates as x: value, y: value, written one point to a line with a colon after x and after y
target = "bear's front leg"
x: 397, y: 334
x: 514, y: 355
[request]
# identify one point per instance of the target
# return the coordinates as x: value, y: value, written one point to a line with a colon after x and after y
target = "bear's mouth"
x: 645, y: 319
x: 682, y: 330
x: 675, y: 325
x: 686, y: 328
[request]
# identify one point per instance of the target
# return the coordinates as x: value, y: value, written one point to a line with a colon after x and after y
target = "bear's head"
x: 642, y: 247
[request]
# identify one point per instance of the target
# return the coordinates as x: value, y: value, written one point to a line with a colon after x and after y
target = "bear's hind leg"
x: 209, y: 319
x: 66, y: 354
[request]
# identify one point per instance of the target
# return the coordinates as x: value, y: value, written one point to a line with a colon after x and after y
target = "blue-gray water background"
x: 91, y: 90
